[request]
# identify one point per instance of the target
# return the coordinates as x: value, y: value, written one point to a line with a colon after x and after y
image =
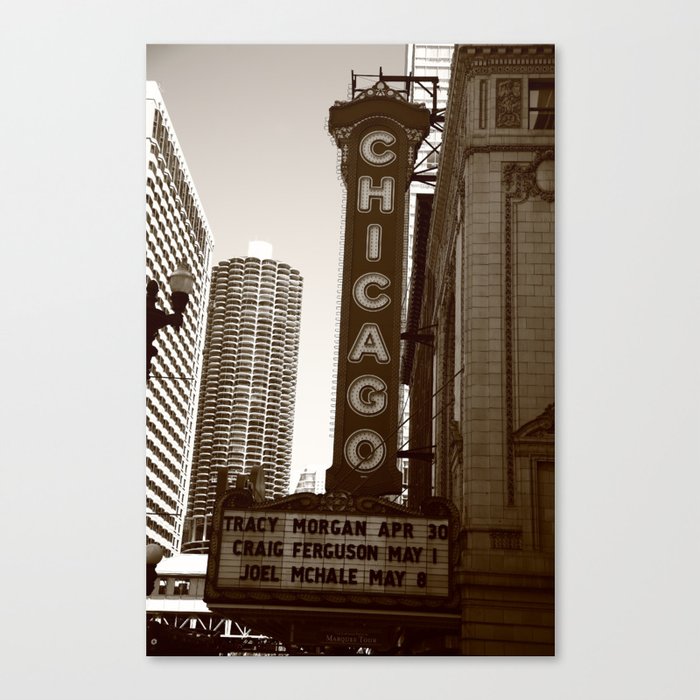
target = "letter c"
x: 369, y: 155
x: 363, y: 300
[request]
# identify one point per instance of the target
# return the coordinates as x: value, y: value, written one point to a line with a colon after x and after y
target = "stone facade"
x: 482, y: 391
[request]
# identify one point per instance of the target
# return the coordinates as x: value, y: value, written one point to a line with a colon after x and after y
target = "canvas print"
x: 350, y: 350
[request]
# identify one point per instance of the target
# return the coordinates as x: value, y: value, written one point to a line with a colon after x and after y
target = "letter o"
x: 365, y: 450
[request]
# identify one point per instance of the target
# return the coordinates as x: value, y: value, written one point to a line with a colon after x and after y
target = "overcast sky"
x: 251, y: 121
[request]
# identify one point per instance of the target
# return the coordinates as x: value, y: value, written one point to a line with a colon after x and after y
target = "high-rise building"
x: 434, y: 61
x: 246, y: 405
x: 306, y: 483
x: 311, y: 481
x: 176, y: 232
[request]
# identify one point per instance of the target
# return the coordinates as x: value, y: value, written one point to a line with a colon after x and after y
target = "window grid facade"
x: 176, y: 231
x: 427, y: 60
x: 246, y: 406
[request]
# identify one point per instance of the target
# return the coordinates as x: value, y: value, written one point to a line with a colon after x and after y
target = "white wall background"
x: 71, y: 347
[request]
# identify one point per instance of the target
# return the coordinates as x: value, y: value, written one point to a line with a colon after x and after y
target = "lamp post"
x: 181, y: 285
x: 154, y: 553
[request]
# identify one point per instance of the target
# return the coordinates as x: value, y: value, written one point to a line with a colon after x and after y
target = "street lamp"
x: 181, y: 285
x: 154, y: 553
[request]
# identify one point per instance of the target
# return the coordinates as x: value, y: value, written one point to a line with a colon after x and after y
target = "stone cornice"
x: 491, y: 59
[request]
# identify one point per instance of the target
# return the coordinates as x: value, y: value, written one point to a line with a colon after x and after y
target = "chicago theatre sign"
x: 330, y: 566
x: 378, y: 133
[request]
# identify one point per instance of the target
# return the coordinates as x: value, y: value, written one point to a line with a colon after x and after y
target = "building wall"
x: 246, y: 406
x: 430, y: 60
x: 489, y: 294
x: 176, y: 231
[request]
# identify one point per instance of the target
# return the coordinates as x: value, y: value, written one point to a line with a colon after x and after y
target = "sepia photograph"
x: 350, y: 350
x: 377, y: 274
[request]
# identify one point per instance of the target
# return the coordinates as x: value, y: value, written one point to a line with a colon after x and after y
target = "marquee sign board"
x: 331, y: 550
x: 378, y: 133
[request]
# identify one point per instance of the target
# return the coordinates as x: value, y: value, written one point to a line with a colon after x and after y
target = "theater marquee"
x: 378, y: 133
x: 331, y: 548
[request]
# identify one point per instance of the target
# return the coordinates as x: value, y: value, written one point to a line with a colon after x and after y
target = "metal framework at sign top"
x: 403, y: 84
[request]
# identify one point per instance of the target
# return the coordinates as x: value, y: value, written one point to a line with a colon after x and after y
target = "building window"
x: 541, y: 105
x: 182, y: 587
x: 162, y: 586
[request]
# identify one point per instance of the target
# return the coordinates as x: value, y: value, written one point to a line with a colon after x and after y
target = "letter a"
x: 369, y: 341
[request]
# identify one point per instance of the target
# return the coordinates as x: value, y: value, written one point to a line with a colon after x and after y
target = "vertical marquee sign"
x: 378, y: 133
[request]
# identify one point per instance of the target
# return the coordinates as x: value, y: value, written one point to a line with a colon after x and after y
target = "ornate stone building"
x: 479, y: 361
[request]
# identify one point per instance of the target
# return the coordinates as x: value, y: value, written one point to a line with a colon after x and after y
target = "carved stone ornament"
x: 540, y: 428
x: 506, y: 539
x: 509, y: 103
x: 521, y: 182
x: 494, y: 60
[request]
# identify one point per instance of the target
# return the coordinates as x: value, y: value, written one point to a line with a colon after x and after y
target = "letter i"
x: 374, y: 242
